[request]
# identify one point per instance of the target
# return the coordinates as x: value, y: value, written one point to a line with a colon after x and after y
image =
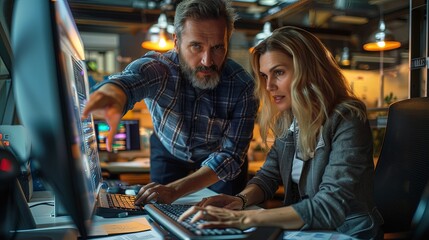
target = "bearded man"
x: 201, y: 103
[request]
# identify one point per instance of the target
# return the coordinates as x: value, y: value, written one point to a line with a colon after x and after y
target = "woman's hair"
x: 317, y: 87
x: 202, y: 10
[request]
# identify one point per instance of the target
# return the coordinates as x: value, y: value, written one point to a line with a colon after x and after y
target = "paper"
x: 307, y: 235
x: 125, y: 227
x: 121, y: 227
x: 148, y: 235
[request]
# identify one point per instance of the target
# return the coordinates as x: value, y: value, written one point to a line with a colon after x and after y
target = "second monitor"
x: 127, y: 137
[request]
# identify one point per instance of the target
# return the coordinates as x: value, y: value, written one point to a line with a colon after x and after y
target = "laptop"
x: 117, y: 205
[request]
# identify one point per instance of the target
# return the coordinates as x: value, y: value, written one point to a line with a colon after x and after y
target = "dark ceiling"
x: 343, y: 20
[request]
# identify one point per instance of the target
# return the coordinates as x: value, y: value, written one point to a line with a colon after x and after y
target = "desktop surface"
x: 42, y: 208
x: 138, y: 165
x: 58, y: 227
x: 136, y: 171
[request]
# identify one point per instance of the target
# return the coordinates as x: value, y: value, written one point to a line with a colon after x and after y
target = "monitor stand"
x: 16, y: 213
x: 26, y: 227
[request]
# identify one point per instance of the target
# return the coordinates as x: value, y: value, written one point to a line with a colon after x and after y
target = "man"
x: 201, y: 103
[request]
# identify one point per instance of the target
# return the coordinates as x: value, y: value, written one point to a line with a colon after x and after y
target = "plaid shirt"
x: 213, y: 127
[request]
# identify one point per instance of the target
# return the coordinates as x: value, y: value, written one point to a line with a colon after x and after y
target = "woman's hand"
x: 222, y: 200
x: 215, y: 217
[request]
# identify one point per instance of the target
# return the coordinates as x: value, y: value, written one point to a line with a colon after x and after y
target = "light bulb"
x: 381, y: 44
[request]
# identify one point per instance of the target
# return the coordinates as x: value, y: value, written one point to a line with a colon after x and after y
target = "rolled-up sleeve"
x: 226, y: 162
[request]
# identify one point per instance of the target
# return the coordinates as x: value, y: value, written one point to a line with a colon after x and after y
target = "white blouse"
x: 297, y: 163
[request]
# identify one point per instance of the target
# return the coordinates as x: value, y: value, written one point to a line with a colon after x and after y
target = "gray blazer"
x: 335, y: 191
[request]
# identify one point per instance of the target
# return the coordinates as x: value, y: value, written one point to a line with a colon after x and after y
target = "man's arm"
x: 107, y: 102
x: 198, y: 180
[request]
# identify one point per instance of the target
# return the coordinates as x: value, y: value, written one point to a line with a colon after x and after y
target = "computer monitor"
x: 127, y: 137
x: 51, y: 88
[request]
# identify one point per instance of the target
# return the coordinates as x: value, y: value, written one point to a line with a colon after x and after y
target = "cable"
x: 43, y: 203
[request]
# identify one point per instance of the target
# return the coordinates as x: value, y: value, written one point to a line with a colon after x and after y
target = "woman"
x: 322, y: 153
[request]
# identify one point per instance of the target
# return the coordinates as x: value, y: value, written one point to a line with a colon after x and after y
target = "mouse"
x: 133, y: 189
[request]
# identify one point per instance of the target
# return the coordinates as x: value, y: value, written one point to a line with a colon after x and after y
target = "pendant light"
x: 266, y: 32
x: 345, y: 57
x: 159, y: 35
x: 382, y: 39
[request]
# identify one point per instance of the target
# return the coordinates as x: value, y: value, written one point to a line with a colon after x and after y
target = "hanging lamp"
x: 381, y: 40
x: 159, y: 35
x: 266, y: 32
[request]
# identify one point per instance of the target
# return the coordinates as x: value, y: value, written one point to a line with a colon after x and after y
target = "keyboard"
x: 113, y: 205
x: 167, y: 214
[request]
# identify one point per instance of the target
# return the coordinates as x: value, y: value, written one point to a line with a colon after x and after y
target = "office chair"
x: 420, y: 223
x: 402, y: 170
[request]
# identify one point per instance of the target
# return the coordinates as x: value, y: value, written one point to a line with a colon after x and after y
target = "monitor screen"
x: 51, y: 89
x: 127, y: 137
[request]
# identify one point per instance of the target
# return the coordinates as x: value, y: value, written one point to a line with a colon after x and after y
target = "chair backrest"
x: 420, y: 223
x: 402, y: 170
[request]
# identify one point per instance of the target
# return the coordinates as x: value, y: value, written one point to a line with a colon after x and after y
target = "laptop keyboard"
x: 112, y: 205
x: 167, y: 214
x: 121, y: 201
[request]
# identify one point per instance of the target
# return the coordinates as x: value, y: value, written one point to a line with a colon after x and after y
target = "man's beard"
x: 206, y: 82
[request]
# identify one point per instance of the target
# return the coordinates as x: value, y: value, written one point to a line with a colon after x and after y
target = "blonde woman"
x: 322, y: 153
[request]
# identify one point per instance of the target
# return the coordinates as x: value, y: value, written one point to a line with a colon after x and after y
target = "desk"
x: 138, y: 165
x: 62, y: 228
x: 132, y: 172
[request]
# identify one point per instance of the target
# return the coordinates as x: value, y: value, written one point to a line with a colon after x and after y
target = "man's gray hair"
x: 204, y: 9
